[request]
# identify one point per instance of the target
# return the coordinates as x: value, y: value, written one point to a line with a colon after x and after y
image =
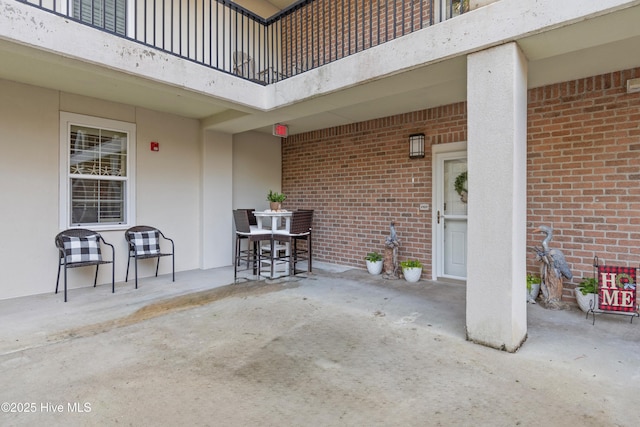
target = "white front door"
x: 450, y: 217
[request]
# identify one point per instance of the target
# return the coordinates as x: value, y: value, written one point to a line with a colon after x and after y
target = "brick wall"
x: 583, y: 168
x: 583, y: 176
x: 359, y: 178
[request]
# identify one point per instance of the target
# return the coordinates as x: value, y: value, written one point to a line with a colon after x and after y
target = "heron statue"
x: 553, y: 269
x: 391, y: 253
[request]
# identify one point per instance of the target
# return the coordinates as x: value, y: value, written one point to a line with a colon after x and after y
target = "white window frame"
x: 66, y: 121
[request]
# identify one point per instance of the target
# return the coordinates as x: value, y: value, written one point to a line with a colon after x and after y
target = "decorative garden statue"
x: 553, y: 269
x: 391, y: 245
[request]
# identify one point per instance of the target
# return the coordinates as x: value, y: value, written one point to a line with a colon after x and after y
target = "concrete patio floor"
x: 337, y: 348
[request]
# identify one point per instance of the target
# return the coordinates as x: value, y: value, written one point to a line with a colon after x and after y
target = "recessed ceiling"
x: 265, y: 8
x: 586, y: 48
x: 44, y: 69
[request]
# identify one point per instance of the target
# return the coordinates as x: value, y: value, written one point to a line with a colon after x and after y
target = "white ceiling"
x: 588, y: 47
x: 264, y: 8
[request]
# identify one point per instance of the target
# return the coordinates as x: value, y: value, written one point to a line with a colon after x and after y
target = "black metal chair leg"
x: 95, y: 279
x: 310, y: 254
x: 126, y: 277
x: 65, y: 283
x: 253, y: 249
x: 136, y: 268
x: 58, y: 279
x: 257, y: 260
x: 236, y: 261
x: 273, y: 259
x: 295, y: 254
x: 249, y: 251
x: 292, y: 257
x: 157, y: 266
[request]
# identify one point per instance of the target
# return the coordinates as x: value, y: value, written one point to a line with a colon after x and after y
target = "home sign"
x: 616, y: 288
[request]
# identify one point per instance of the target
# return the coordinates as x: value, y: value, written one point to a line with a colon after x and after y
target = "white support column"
x: 217, y: 199
x: 497, y: 140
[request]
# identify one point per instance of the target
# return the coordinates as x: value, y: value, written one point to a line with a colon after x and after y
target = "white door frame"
x: 437, y: 152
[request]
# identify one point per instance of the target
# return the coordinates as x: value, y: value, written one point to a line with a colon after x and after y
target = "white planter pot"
x: 586, y: 302
x: 412, y: 274
x: 532, y: 294
x: 374, y: 267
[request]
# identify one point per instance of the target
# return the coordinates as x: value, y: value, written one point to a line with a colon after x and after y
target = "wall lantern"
x: 416, y: 146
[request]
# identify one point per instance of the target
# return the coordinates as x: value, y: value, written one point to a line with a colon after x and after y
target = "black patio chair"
x: 79, y: 247
x: 144, y: 243
x: 254, y: 236
x: 253, y: 225
x: 301, y: 227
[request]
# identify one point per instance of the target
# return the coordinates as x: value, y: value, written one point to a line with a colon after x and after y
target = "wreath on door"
x: 460, y: 185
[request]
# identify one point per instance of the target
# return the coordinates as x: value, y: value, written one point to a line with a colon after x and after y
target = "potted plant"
x: 275, y: 200
x: 586, y: 294
x: 533, y: 288
x: 411, y: 270
x: 374, y: 262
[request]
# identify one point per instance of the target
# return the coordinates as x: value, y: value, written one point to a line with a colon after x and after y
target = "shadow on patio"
x: 340, y: 347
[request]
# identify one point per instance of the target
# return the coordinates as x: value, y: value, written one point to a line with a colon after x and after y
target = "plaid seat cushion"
x: 81, y: 249
x: 145, y: 242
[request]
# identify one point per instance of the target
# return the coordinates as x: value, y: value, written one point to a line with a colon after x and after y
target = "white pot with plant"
x: 533, y: 288
x: 275, y: 200
x: 586, y: 294
x: 374, y: 262
x: 411, y: 270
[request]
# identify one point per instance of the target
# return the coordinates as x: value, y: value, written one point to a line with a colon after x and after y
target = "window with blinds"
x: 107, y: 14
x: 97, y: 175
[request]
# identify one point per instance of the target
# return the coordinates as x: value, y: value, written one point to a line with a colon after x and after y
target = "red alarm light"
x: 280, y: 130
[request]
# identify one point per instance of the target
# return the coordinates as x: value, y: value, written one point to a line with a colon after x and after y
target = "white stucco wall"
x: 29, y: 189
x: 187, y: 189
x: 257, y: 168
x: 257, y: 165
x: 168, y: 186
x: 168, y: 183
x: 217, y: 218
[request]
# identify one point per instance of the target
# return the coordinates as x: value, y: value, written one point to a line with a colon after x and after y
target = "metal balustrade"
x: 224, y: 36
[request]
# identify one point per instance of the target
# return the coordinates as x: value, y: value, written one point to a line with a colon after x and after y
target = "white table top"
x: 269, y: 212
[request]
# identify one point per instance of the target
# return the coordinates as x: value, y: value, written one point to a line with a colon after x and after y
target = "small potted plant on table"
x: 275, y: 200
x: 411, y: 270
x: 374, y: 262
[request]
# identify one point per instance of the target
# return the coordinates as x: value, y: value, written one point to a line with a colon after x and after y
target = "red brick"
x: 583, y: 147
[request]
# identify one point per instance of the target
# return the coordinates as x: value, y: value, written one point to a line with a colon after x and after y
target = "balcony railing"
x: 222, y: 35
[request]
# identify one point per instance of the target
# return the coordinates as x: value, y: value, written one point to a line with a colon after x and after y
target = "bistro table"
x: 262, y: 217
x: 275, y: 218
